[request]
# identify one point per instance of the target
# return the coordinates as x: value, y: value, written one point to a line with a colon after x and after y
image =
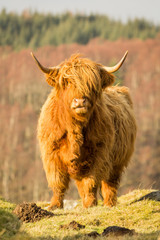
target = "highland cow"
x: 86, y: 130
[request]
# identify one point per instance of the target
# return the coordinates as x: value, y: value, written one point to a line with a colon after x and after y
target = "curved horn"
x: 43, y: 69
x: 117, y: 66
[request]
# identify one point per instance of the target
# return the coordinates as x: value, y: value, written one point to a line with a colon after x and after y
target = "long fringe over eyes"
x: 82, y: 73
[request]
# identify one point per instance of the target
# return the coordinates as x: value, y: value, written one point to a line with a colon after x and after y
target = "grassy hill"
x: 132, y: 212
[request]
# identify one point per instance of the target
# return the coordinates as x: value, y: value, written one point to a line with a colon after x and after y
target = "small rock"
x: 69, y: 204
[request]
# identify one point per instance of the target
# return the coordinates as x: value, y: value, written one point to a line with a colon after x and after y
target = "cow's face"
x: 77, y: 103
x: 79, y: 83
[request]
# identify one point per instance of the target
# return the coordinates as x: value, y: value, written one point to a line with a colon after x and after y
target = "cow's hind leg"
x: 109, y: 189
x: 87, y: 188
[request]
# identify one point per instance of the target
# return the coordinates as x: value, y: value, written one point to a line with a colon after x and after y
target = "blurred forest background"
x: 23, y: 91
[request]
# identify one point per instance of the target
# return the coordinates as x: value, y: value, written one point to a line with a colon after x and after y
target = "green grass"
x: 143, y: 216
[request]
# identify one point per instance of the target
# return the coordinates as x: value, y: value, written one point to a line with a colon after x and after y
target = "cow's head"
x: 79, y: 82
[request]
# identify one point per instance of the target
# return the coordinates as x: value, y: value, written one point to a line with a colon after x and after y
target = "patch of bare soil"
x: 117, y: 231
x: 93, y: 234
x: 72, y: 225
x: 113, y: 231
x: 30, y: 212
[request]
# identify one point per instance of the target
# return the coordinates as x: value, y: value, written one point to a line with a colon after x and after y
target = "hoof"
x: 110, y: 203
x: 88, y: 204
x: 52, y: 207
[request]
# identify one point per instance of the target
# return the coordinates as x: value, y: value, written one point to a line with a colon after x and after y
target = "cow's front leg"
x: 59, y: 189
x: 58, y: 180
x: 57, y: 199
x: 87, y: 188
x: 109, y: 193
x: 109, y: 189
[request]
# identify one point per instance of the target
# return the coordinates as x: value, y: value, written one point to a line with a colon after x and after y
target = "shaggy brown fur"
x: 93, y: 147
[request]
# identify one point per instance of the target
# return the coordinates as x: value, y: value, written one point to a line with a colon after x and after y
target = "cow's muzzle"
x: 80, y: 105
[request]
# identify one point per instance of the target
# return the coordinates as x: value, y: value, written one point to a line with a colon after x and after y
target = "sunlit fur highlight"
x: 93, y: 149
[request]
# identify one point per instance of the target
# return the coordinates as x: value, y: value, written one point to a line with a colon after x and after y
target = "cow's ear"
x: 52, y: 77
x: 107, y: 78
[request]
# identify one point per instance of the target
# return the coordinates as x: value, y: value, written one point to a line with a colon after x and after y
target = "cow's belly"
x: 79, y: 169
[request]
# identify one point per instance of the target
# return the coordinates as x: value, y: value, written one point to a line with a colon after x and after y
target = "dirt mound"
x: 95, y: 222
x: 114, y: 231
x: 93, y: 234
x: 72, y: 225
x: 117, y: 231
x: 150, y: 196
x: 30, y: 212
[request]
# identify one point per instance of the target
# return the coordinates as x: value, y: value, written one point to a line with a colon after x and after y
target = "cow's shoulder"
x: 119, y: 94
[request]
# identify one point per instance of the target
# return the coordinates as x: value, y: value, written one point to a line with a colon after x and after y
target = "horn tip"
x: 34, y: 57
x: 124, y: 57
x: 126, y: 53
x: 32, y: 54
